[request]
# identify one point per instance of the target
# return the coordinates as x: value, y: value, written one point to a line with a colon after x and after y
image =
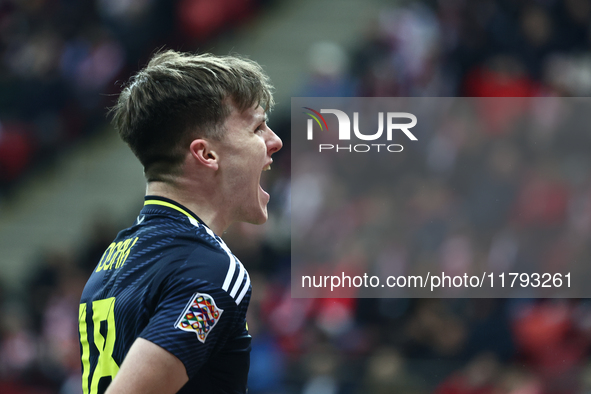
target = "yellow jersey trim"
x: 169, y: 205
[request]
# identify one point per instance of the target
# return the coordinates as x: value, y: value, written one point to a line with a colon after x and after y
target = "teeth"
x: 267, y: 168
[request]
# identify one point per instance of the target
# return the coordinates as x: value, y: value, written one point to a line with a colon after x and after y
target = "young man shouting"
x: 165, y: 309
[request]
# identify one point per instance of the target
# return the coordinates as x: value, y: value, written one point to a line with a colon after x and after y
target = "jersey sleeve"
x: 193, y: 315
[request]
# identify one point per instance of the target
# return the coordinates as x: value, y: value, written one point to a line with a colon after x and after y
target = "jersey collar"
x: 159, y: 202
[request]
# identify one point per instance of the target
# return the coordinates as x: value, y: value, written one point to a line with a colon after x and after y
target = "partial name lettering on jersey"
x: 116, y: 254
x: 199, y: 316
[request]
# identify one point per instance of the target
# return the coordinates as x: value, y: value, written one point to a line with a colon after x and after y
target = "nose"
x: 274, y: 143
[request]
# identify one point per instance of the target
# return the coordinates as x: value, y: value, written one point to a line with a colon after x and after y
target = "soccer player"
x: 164, y: 310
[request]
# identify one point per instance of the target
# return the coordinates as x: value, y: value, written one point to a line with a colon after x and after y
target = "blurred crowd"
x: 475, y: 193
x: 504, y: 197
x: 60, y: 59
x: 510, y: 193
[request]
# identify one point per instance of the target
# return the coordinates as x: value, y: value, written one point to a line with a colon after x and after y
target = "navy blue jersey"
x: 171, y: 280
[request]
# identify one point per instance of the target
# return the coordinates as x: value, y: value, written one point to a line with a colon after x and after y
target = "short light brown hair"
x: 179, y: 97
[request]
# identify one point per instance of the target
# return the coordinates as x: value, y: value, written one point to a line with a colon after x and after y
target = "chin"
x: 262, y: 218
x: 257, y: 222
x: 257, y: 218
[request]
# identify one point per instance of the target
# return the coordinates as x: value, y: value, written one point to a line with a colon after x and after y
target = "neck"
x: 203, y: 206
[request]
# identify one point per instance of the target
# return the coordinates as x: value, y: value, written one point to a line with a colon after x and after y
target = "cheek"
x: 257, y: 154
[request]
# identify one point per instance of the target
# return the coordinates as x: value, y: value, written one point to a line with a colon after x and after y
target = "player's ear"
x: 202, y: 151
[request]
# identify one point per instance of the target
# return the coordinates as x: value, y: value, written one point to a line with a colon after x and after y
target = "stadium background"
x: 67, y: 185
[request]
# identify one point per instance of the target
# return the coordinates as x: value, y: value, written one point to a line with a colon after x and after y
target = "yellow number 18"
x: 102, y: 310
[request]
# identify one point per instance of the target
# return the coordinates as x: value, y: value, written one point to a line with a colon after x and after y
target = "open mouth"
x: 265, y: 168
x: 263, y: 191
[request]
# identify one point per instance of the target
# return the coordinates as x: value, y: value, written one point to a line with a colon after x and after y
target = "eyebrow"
x: 261, y: 119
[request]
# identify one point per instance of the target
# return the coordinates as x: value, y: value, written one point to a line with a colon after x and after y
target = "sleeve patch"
x: 199, y: 316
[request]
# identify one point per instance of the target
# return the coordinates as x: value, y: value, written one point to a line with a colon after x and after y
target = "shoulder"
x: 205, y: 258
